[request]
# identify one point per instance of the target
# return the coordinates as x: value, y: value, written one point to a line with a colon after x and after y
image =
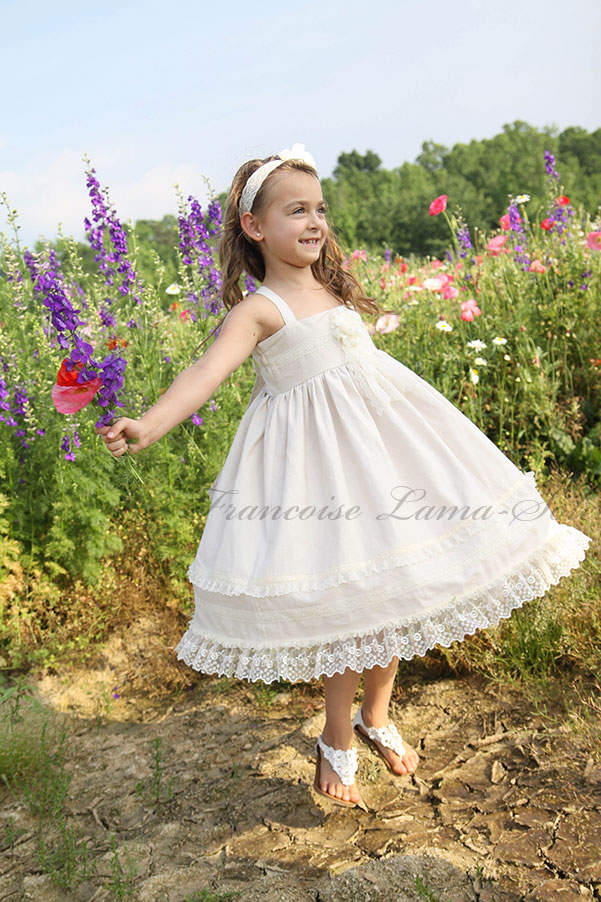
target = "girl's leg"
x: 377, y: 689
x: 340, y: 690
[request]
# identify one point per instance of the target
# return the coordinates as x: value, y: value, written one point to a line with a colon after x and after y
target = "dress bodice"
x: 302, y: 348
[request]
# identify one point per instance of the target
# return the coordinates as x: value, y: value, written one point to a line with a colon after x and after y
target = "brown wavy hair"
x: 238, y: 252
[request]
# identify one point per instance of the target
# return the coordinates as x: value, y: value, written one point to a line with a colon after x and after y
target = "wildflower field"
x: 94, y: 552
x: 505, y: 325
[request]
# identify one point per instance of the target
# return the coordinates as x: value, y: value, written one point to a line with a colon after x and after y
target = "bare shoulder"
x: 262, y: 313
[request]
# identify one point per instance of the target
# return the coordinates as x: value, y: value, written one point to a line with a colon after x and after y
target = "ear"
x: 250, y: 225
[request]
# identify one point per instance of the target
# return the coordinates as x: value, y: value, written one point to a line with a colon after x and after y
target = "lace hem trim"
x: 404, y: 638
x: 225, y: 584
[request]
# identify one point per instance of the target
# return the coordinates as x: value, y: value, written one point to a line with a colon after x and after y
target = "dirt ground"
x: 501, y: 807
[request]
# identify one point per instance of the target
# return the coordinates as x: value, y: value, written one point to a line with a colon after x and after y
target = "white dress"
x: 359, y: 515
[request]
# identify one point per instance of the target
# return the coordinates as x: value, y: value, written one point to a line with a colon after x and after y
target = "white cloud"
x: 58, y: 192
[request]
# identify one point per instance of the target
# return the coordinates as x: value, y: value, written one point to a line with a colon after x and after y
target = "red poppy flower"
x: 112, y: 344
x: 563, y: 200
x: 547, y: 225
x: 68, y: 395
x: 438, y: 205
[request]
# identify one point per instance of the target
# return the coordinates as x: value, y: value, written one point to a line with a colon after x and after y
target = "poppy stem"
x: 132, y: 468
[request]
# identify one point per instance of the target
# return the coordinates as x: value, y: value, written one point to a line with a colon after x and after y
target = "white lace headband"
x: 254, y: 182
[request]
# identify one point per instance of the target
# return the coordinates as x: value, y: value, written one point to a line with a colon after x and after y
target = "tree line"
x: 376, y: 208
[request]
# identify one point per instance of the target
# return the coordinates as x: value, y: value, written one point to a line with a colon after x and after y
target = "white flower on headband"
x: 248, y: 194
x: 297, y: 152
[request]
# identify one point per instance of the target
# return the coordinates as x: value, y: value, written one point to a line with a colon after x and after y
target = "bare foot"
x: 329, y: 779
x: 405, y: 765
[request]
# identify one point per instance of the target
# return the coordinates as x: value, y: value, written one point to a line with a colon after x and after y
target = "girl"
x: 333, y: 545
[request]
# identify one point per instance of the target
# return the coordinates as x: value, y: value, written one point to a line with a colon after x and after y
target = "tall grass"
x: 505, y: 326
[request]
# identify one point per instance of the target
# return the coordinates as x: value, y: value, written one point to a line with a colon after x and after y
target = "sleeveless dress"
x: 358, y: 516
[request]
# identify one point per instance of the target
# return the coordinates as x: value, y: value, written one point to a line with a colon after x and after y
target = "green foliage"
x: 158, y: 792
x: 32, y: 768
x: 374, y: 208
x: 532, y: 384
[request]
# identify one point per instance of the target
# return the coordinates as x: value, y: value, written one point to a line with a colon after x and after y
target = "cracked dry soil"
x: 501, y: 807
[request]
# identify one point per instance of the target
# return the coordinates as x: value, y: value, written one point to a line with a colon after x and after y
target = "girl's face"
x: 295, y: 214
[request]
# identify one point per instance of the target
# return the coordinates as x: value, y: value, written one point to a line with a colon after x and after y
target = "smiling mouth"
x: 310, y: 241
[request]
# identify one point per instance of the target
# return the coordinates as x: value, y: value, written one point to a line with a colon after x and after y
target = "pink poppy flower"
x: 504, y: 222
x: 469, y: 310
x: 537, y: 266
x: 495, y: 244
x: 388, y: 322
x: 434, y: 284
x: 438, y: 205
x: 593, y: 240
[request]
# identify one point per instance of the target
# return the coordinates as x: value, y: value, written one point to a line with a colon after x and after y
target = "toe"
x: 411, y: 759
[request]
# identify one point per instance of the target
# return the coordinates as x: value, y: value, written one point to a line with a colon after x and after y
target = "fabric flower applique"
x: 349, y: 329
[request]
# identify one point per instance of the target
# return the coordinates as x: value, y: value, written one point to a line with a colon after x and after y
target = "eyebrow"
x: 290, y: 203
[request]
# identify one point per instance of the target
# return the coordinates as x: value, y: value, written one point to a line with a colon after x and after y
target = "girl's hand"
x: 115, y: 435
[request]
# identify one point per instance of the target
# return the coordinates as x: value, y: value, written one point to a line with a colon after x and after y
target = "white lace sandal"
x: 344, y: 763
x: 387, y: 736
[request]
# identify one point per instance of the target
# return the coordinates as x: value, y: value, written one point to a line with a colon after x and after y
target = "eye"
x: 323, y: 208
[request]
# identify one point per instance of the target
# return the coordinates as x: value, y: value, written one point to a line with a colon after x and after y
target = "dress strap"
x: 287, y: 314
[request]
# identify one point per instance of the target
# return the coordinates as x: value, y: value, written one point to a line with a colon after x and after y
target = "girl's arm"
x: 239, y: 333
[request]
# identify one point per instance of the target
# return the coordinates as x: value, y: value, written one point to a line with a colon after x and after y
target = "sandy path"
x: 500, y: 808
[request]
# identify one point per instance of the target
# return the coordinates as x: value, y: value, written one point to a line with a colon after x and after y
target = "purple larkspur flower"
x: 195, y: 230
x: 516, y: 226
x: 48, y: 283
x: 107, y: 319
x: 196, y: 419
x: 550, y: 164
x: 66, y: 322
x: 559, y: 214
x: 111, y: 374
x: 250, y: 284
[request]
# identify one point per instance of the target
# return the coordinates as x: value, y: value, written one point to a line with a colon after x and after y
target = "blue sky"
x: 161, y: 93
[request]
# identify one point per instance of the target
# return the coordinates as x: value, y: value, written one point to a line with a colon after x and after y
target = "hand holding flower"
x: 124, y: 428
